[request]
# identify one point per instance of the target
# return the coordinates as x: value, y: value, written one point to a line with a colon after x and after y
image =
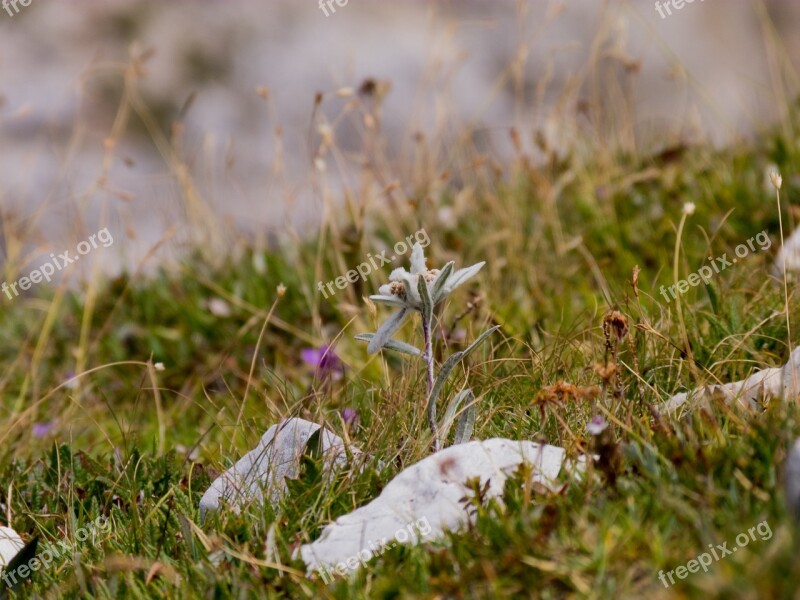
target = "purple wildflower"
x: 349, y: 416
x: 325, y: 362
x: 42, y: 429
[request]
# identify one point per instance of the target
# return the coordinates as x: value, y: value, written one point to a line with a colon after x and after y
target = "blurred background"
x: 184, y: 125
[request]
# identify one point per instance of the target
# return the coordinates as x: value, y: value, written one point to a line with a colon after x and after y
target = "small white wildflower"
x: 597, y: 425
x: 688, y: 208
x: 159, y: 366
x: 219, y: 308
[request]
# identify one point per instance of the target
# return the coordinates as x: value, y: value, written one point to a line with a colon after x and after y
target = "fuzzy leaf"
x: 450, y: 414
x: 425, y: 296
x: 390, y: 344
x: 441, y: 280
x: 461, y: 276
x: 465, y: 425
x: 386, y: 299
x: 387, y: 330
x: 449, y: 365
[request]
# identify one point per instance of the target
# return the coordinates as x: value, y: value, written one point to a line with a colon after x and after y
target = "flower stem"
x: 428, y: 356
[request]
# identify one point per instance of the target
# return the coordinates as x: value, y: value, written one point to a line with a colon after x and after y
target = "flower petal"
x: 388, y: 299
x: 437, y: 285
x: 461, y: 276
x: 312, y: 356
x: 398, y: 274
x: 412, y: 293
x: 418, y: 260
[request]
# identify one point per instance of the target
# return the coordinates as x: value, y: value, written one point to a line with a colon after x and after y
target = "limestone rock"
x: 752, y: 393
x: 262, y: 471
x: 10, y: 545
x: 425, y: 500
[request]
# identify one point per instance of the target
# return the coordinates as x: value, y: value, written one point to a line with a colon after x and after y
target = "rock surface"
x: 262, y: 471
x: 10, y: 544
x: 788, y: 254
x: 752, y: 393
x: 425, y: 500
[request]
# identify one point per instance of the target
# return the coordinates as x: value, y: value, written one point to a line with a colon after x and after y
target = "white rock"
x: 752, y: 393
x: 263, y: 469
x: 790, y: 254
x: 10, y: 545
x: 425, y: 500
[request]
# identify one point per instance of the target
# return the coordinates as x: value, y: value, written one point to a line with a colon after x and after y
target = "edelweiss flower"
x: 403, y: 291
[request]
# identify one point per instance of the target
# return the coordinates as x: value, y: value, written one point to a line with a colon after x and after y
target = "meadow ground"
x: 129, y: 441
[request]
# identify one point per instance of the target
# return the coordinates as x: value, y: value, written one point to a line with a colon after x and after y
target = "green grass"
x: 560, y: 242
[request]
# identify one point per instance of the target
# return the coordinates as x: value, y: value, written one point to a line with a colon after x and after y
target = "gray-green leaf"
x: 387, y: 330
x: 447, y: 368
x: 465, y: 425
x: 441, y: 280
x: 461, y: 276
x: 425, y: 296
x: 465, y: 396
x: 391, y: 344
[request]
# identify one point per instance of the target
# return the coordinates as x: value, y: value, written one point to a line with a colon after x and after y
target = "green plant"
x: 421, y: 290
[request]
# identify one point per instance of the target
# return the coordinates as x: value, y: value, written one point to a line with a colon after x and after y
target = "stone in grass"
x: 426, y: 499
x: 10, y: 545
x: 264, y: 469
x: 788, y: 255
x: 753, y: 392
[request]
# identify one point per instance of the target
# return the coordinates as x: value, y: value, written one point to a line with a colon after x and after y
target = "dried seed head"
x: 635, y: 280
x: 776, y: 178
x: 605, y: 372
x: 688, y: 208
x: 616, y: 324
